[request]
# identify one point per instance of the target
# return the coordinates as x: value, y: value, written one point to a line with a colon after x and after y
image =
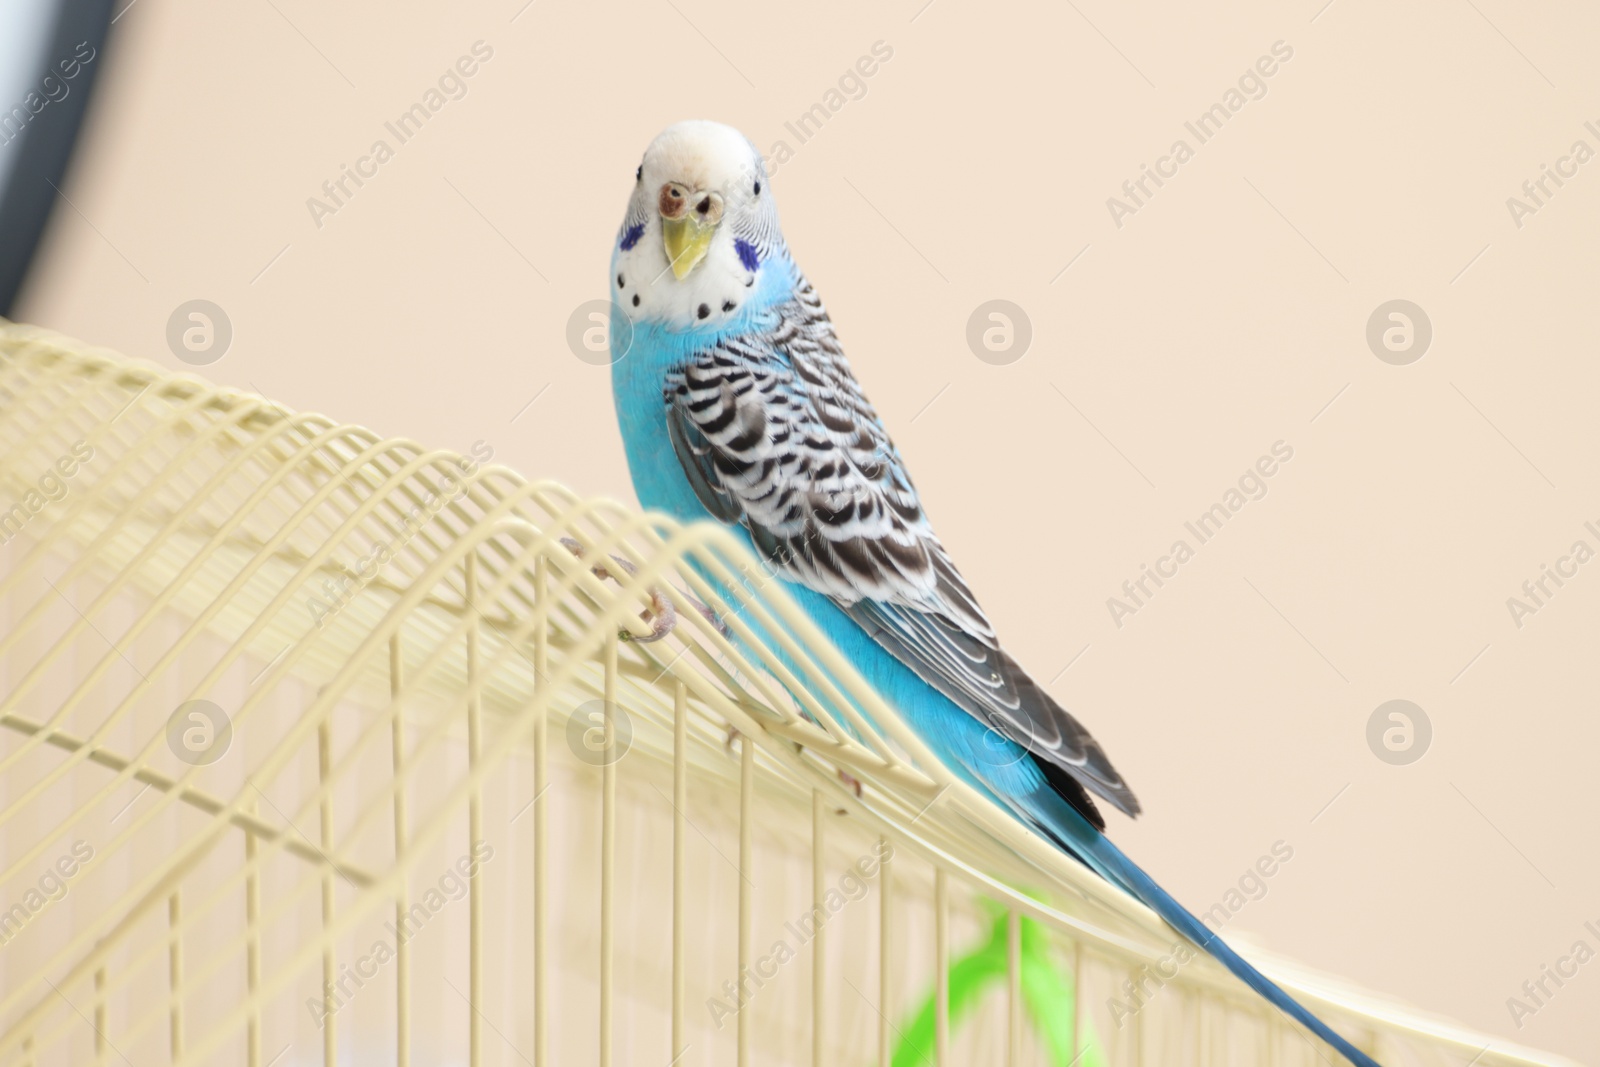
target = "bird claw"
x: 853, y: 782
x: 661, y: 616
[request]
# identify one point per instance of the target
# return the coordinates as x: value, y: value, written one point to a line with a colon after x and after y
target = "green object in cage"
x: 1047, y: 994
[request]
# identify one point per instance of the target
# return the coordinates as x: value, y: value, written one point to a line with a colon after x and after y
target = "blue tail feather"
x: 1130, y: 876
x: 1070, y: 829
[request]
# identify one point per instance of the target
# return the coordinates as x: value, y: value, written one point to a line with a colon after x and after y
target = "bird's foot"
x: 853, y: 782
x: 661, y: 616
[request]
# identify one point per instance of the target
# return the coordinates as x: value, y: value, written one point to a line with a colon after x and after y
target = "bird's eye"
x: 758, y: 188
x: 638, y: 175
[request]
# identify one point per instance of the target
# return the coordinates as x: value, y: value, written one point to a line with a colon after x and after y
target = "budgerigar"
x: 736, y: 403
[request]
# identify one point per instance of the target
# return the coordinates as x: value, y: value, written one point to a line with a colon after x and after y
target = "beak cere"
x: 689, y: 220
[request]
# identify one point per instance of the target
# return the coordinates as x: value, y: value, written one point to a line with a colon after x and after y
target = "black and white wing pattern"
x: 775, y: 434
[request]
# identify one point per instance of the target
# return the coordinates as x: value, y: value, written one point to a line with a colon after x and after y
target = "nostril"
x: 704, y: 206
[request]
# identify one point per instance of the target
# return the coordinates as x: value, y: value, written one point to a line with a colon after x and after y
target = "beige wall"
x: 1222, y: 317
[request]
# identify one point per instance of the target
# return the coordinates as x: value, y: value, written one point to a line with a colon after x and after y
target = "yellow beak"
x: 687, y: 240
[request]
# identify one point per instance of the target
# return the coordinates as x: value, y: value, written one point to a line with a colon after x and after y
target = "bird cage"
x: 323, y: 748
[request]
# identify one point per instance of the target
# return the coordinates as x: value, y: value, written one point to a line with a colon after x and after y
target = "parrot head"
x: 700, y: 230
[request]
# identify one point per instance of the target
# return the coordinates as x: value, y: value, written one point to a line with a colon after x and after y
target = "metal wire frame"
x: 482, y: 631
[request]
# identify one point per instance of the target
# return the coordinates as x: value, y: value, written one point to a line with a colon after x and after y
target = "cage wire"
x: 318, y: 748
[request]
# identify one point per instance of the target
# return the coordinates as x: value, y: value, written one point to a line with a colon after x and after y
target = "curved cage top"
x: 390, y: 629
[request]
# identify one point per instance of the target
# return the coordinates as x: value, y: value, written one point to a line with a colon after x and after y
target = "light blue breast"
x: 655, y: 350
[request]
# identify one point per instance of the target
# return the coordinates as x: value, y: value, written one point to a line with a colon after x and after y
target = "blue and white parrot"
x: 736, y: 404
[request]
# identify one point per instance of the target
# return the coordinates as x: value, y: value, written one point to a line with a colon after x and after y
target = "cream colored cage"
x: 321, y: 748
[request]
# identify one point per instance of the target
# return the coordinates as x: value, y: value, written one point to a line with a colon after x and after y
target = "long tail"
x: 1073, y: 831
